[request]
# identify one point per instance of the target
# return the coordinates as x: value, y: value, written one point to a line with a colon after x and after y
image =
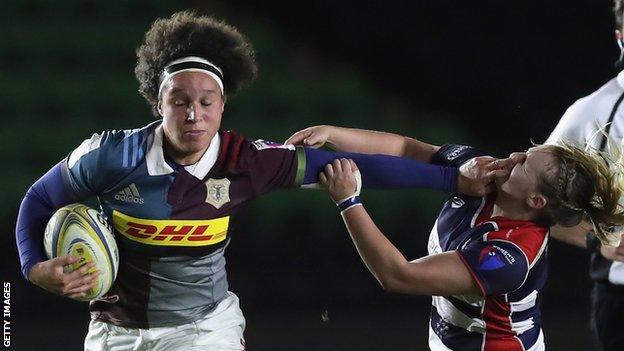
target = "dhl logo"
x: 171, y: 232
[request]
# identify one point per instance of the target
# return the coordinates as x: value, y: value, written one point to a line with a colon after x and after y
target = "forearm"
x: 374, y: 142
x: 379, y: 255
x: 441, y: 274
x: 385, y: 172
x: 364, y: 141
x: 576, y: 235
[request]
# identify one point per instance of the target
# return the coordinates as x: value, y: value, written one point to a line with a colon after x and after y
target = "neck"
x: 511, y: 208
x: 182, y: 158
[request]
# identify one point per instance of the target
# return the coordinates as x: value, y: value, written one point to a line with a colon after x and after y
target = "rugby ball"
x: 81, y: 231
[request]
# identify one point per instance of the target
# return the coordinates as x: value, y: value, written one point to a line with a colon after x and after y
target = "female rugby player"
x: 487, y: 255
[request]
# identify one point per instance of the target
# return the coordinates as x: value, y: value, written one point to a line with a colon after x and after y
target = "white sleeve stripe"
x: 87, y: 146
x: 524, y: 304
x: 456, y: 317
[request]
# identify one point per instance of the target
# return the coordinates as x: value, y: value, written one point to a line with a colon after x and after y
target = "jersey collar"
x: 155, y: 158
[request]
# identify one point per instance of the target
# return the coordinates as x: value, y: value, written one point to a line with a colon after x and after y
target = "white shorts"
x: 220, y: 330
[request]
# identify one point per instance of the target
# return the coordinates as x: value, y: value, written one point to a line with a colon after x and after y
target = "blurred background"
x: 493, y: 74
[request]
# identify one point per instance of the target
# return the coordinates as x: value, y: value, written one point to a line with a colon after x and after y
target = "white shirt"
x: 580, y: 125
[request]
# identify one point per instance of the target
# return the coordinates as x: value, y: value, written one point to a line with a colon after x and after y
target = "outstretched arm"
x: 577, y: 236
x: 442, y: 274
x: 572, y: 235
x: 363, y: 141
x: 475, y: 177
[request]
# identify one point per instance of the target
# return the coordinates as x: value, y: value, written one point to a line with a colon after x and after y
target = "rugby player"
x: 486, y: 266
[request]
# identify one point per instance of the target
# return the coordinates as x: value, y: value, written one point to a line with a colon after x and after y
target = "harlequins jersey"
x: 507, y: 260
x: 172, y: 223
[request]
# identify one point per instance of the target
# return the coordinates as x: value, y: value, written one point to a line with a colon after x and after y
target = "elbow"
x: 391, y: 284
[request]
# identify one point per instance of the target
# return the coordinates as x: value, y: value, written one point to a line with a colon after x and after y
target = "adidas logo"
x: 130, y: 194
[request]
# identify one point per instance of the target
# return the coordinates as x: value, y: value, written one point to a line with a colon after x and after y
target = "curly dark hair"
x: 187, y: 34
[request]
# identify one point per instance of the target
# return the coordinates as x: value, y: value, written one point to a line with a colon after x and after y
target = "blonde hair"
x: 585, y: 184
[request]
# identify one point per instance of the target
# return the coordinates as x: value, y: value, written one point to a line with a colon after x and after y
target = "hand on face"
x: 478, y: 176
x: 339, y: 179
x: 313, y: 137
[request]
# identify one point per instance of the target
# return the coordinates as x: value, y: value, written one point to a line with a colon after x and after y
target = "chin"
x: 193, y: 148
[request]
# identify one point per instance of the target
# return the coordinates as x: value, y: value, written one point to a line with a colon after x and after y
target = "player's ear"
x: 536, y: 201
x: 223, y: 104
x: 159, y: 108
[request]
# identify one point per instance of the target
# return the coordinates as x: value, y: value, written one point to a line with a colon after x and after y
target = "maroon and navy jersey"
x: 172, y: 223
x: 507, y: 260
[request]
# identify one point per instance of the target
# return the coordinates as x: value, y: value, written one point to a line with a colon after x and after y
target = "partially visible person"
x: 592, y: 121
x: 487, y: 264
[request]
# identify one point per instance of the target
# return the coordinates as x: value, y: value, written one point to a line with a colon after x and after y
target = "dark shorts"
x: 607, y: 315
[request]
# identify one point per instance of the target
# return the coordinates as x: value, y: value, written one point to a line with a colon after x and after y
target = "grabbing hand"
x: 340, y: 179
x: 52, y: 275
x: 477, y: 177
x: 313, y: 137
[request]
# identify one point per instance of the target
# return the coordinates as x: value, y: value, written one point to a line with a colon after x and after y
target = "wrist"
x: 32, y: 273
x: 348, y: 203
x: 330, y: 141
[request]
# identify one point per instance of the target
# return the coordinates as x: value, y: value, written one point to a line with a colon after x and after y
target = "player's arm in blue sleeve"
x: 77, y: 177
x: 498, y: 267
x: 275, y: 166
x: 44, y: 197
x: 384, y: 171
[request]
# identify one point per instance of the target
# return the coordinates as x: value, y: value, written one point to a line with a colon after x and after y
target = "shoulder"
x: 602, y: 99
x: 528, y: 238
x: 237, y: 151
x: 125, y: 147
x: 582, y: 118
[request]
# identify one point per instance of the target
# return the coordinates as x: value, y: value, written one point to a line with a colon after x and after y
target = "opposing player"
x: 171, y: 190
x: 487, y: 255
x: 591, y: 120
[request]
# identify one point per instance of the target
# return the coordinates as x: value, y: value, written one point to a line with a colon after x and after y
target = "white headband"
x: 191, y: 64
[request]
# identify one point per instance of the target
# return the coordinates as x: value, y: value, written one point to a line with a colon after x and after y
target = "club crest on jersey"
x: 261, y: 144
x: 218, y: 192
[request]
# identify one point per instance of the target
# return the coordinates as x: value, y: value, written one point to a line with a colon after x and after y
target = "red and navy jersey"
x: 507, y: 260
x: 172, y: 223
